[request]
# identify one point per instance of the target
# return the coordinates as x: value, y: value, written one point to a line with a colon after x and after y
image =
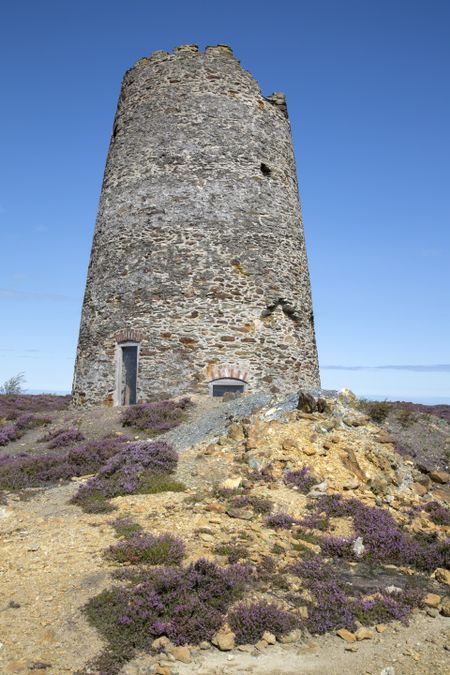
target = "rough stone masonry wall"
x: 198, y: 253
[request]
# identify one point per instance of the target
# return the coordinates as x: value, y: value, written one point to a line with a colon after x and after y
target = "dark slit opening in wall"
x: 129, y: 375
x: 265, y: 170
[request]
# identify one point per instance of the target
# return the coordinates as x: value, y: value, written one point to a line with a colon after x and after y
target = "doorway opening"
x: 226, y: 385
x: 128, y: 374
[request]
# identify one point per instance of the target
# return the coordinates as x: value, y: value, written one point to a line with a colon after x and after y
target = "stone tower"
x: 198, y: 279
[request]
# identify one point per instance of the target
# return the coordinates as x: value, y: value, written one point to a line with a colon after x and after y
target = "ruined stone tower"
x: 198, y: 279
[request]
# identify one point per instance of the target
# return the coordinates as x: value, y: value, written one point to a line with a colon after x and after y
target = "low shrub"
x: 384, y: 541
x: 337, y: 547
x: 125, y: 527
x: 376, y: 410
x: 141, y: 547
x: 141, y: 467
x: 187, y: 605
x: 42, y: 469
x: 335, y: 605
x: 250, y: 621
x: 12, y: 406
x: 233, y: 552
x: 439, y: 514
x: 157, y: 417
x: 8, y: 433
x: 280, y: 521
x: 302, y: 479
x: 265, y: 474
x: 153, y: 483
x: 61, y: 438
x: 258, y: 504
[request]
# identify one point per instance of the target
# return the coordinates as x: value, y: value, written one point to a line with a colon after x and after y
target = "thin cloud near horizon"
x: 13, y: 294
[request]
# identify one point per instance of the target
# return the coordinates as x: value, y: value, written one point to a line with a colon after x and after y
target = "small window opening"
x: 265, y: 170
x: 218, y: 388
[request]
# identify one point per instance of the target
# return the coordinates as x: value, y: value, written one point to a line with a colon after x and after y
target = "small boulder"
x: 269, y: 637
x: 181, y: 653
x: 442, y: 575
x: 346, y: 635
x: 293, y: 636
x: 162, y: 644
x: 364, y: 633
x: 306, y: 403
x: 224, y: 640
x: 231, y: 483
x: 432, y: 600
x: 441, y: 477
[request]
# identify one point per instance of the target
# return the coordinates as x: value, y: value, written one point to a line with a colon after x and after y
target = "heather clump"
x: 302, y: 479
x: 249, y: 621
x: 384, y: 541
x: 130, y: 471
x: 12, y: 406
x: 149, y: 549
x: 337, y: 547
x: 187, y: 605
x: 258, y: 504
x: 43, y: 469
x: 376, y: 410
x: 18, y: 412
x: 8, y: 433
x: 156, y: 417
x: 280, y: 521
x: 334, y: 604
x: 125, y: 527
x: 62, y: 438
x: 233, y: 552
x: 439, y: 514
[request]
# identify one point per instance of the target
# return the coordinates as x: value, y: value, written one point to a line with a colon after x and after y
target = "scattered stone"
x: 309, y: 451
x: 442, y: 575
x: 351, y: 647
x: 249, y: 649
x: 236, y: 432
x: 181, y: 653
x: 231, y: 483
x: 445, y: 609
x: 352, y: 484
x: 306, y: 403
x: 389, y: 670
x: 269, y: 638
x: 162, y: 644
x: 224, y: 639
x: 432, y: 600
x: 289, y: 445
x: 380, y: 627
x: 419, y: 489
x: 293, y: 636
x: 346, y: 635
x: 440, y: 477
x: 261, y: 644
x: 358, y: 547
x: 384, y: 437
x: 162, y: 670
x: 364, y: 633
x: 433, y: 612
x: 204, y: 644
x: 241, y: 514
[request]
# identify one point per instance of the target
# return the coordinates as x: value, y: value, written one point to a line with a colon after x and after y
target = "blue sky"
x: 368, y: 92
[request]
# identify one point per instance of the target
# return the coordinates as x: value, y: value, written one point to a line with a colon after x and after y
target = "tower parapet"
x: 198, y: 264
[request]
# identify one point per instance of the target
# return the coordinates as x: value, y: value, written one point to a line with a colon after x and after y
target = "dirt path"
x: 50, y: 565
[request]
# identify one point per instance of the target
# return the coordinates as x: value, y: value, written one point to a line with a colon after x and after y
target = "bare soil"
x: 52, y: 558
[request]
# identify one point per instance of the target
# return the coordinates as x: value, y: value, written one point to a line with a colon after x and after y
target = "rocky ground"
x: 53, y: 553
